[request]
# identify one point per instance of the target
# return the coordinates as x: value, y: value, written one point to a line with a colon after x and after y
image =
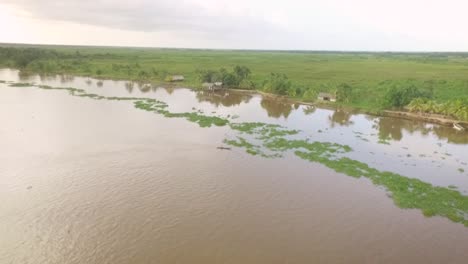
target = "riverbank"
x: 430, y: 118
x: 367, y: 76
x: 425, y: 117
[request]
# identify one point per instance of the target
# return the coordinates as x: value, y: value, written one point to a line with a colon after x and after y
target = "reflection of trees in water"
x: 310, y: 109
x: 277, y: 107
x: 25, y: 76
x: 452, y: 136
x: 389, y: 128
x: 225, y: 98
x: 169, y: 90
x: 129, y: 86
x: 340, y: 117
x: 64, y: 78
x: 392, y: 128
x: 47, y: 77
x: 144, y: 88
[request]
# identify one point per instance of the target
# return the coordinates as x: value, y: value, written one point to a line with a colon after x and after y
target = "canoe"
x: 458, y: 127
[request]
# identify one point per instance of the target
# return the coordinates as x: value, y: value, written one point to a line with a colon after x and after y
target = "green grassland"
x: 369, y: 75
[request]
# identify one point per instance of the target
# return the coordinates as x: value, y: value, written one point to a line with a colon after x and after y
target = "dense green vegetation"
x: 457, y: 108
x: 401, y: 95
x: 370, y: 81
x: 237, y: 78
x: 272, y: 141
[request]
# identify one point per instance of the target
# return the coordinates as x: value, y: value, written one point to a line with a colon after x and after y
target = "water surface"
x: 84, y: 181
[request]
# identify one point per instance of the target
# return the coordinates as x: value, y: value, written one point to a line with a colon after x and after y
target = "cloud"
x: 147, y: 15
x: 262, y: 24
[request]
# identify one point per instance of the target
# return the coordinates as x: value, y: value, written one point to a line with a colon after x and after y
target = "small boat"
x: 458, y: 127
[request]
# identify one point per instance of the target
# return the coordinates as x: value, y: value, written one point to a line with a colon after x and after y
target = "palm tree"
x: 455, y: 107
x: 416, y: 105
x: 445, y: 108
x: 430, y: 107
x: 462, y: 113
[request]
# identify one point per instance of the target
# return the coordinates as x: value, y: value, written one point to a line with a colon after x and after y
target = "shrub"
x: 277, y: 83
x: 401, y: 96
x: 344, y: 93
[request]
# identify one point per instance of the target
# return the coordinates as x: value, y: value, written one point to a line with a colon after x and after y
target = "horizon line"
x: 232, y: 49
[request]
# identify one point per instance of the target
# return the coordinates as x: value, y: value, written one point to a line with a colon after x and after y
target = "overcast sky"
x: 376, y: 25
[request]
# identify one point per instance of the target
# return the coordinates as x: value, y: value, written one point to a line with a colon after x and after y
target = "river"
x: 99, y: 181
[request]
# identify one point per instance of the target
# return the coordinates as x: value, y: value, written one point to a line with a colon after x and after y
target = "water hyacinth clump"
x: 263, y: 130
x: 160, y: 108
x: 21, y: 84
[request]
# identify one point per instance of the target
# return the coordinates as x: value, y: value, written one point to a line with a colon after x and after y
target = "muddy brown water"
x: 84, y: 181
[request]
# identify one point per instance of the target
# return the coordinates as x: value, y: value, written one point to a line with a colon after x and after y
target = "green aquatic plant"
x: 160, y: 108
x: 243, y: 143
x: 201, y: 120
x: 282, y: 144
x: 251, y: 148
x: 263, y: 130
x: 20, y: 84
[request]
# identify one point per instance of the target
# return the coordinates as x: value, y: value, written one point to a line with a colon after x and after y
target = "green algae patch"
x: 150, y: 105
x: 21, y: 84
x: 243, y: 143
x: 262, y: 130
x: 251, y: 148
x: 92, y: 96
x: 201, y: 120
x: 283, y: 144
x: 195, y: 117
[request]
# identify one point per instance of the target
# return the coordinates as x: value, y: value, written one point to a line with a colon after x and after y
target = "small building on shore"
x: 213, y: 86
x: 327, y: 97
x: 176, y: 78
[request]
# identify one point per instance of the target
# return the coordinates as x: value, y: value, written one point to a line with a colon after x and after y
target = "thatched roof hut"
x: 177, y: 78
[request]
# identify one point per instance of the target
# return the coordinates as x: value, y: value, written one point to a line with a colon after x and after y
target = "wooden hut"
x: 176, y: 78
x: 327, y: 97
x: 213, y: 86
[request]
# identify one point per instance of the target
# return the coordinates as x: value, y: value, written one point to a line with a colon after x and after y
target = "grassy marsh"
x: 369, y: 75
